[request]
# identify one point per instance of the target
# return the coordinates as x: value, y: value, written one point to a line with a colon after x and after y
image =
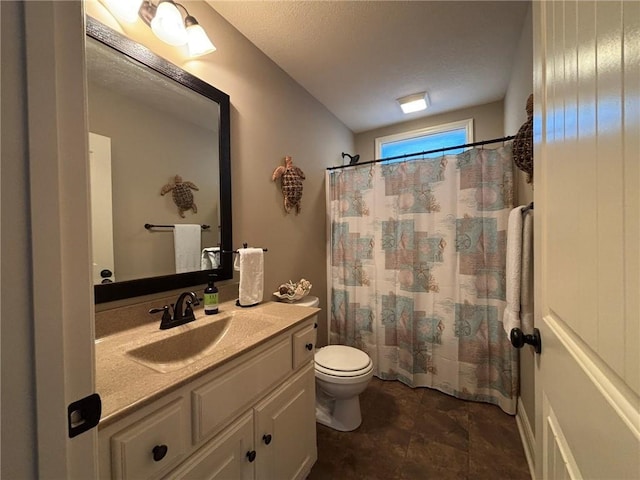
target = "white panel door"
x: 101, y: 208
x: 62, y: 295
x: 587, y: 211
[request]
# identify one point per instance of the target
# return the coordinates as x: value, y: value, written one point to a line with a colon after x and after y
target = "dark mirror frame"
x: 144, y: 286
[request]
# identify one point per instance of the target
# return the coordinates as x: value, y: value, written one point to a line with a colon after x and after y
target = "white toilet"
x: 342, y: 374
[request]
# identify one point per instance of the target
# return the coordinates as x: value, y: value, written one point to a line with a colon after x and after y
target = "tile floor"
x: 411, y: 434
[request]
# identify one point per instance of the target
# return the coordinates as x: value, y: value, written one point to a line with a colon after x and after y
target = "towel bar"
x: 149, y: 226
x: 244, y: 245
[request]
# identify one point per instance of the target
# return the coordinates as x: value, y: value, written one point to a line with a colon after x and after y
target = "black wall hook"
x: 353, y: 159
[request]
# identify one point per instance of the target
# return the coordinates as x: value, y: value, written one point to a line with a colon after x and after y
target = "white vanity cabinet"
x: 251, y: 418
x: 285, y: 433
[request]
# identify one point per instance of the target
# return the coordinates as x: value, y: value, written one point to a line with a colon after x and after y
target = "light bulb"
x: 199, y: 43
x: 168, y: 25
x: 124, y: 10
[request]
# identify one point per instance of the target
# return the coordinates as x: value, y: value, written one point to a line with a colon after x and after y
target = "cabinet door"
x: 226, y: 457
x: 286, y: 429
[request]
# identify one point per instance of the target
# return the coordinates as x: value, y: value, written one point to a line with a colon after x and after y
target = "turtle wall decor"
x: 182, y: 195
x: 292, y: 178
x: 523, y: 143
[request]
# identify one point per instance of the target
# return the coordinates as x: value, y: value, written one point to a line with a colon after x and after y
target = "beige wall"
x: 515, y: 101
x: 148, y: 148
x: 520, y: 86
x: 271, y: 117
x: 18, y: 380
x: 487, y: 124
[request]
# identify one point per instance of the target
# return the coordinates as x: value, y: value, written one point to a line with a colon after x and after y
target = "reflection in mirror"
x: 154, y: 128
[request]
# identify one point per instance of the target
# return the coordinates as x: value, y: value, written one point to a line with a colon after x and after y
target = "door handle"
x: 519, y: 339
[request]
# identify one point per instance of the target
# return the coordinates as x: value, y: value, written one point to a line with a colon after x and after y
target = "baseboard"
x: 527, y: 438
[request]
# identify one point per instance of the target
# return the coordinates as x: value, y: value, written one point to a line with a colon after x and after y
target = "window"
x: 431, y: 138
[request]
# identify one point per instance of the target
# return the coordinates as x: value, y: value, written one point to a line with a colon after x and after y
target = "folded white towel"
x: 186, y: 243
x: 250, y: 263
x: 511, y: 318
x: 526, y: 286
x: 210, y: 258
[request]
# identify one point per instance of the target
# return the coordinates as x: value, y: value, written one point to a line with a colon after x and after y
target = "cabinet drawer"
x: 165, y: 431
x: 304, y: 344
x: 218, y: 401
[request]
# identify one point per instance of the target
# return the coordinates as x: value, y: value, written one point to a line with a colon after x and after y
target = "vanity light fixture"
x: 413, y: 103
x: 167, y: 24
x: 124, y: 10
x: 198, y: 41
x: 166, y: 21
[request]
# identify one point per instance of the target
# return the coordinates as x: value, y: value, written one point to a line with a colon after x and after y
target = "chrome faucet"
x: 180, y: 315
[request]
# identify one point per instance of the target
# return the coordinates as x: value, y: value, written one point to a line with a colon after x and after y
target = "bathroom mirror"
x: 149, y: 122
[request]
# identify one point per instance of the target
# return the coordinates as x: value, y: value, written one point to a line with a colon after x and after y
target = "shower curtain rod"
x: 406, y: 155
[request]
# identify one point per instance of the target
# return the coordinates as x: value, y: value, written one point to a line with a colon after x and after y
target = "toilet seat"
x: 342, y: 361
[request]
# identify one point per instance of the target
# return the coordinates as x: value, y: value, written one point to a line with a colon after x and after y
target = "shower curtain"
x: 416, y: 271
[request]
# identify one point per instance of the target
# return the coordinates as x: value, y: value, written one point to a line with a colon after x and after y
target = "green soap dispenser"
x: 211, y: 297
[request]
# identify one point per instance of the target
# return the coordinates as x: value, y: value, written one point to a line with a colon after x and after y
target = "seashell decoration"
x: 291, y: 292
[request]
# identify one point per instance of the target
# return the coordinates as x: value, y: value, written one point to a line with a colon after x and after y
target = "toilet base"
x: 342, y: 415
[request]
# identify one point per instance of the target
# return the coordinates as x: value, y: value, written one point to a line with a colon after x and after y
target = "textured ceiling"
x: 358, y: 57
x: 111, y: 70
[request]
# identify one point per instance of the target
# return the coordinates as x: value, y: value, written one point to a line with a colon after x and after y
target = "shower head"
x: 353, y: 159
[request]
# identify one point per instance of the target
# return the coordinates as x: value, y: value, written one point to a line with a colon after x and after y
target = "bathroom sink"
x: 187, y: 344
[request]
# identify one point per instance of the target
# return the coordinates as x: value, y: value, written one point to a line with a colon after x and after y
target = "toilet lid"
x: 341, y: 358
x: 308, y: 301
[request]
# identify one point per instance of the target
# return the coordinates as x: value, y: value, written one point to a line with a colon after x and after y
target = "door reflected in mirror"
x: 160, y: 143
x: 101, y: 208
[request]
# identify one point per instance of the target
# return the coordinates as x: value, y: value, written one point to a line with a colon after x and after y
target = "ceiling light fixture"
x: 413, y: 103
x: 166, y: 22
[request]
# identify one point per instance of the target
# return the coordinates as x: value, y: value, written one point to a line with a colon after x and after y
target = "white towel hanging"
x: 210, y: 258
x: 526, y: 286
x: 250, y: 263
x: 511, y: 318
x: 186, y: 243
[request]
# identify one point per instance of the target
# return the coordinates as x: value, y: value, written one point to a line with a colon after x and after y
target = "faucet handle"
x: 188, y: 310
x: 166, y: 314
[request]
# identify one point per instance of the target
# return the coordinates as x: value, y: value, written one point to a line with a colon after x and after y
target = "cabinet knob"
x: 266, y: 439
x: 251, y: 455
x: 309, y: 346
x: 159, y: 452
x: 315, y: 325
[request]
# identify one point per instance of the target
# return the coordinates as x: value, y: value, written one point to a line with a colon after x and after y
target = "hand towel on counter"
x: 210, y: 258
x: 186, y: 243
x: 526, y: 285
x: 511, y: 318
x: 250, y: 263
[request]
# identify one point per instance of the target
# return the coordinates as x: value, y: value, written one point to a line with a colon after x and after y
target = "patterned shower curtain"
x: 416, y: 271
